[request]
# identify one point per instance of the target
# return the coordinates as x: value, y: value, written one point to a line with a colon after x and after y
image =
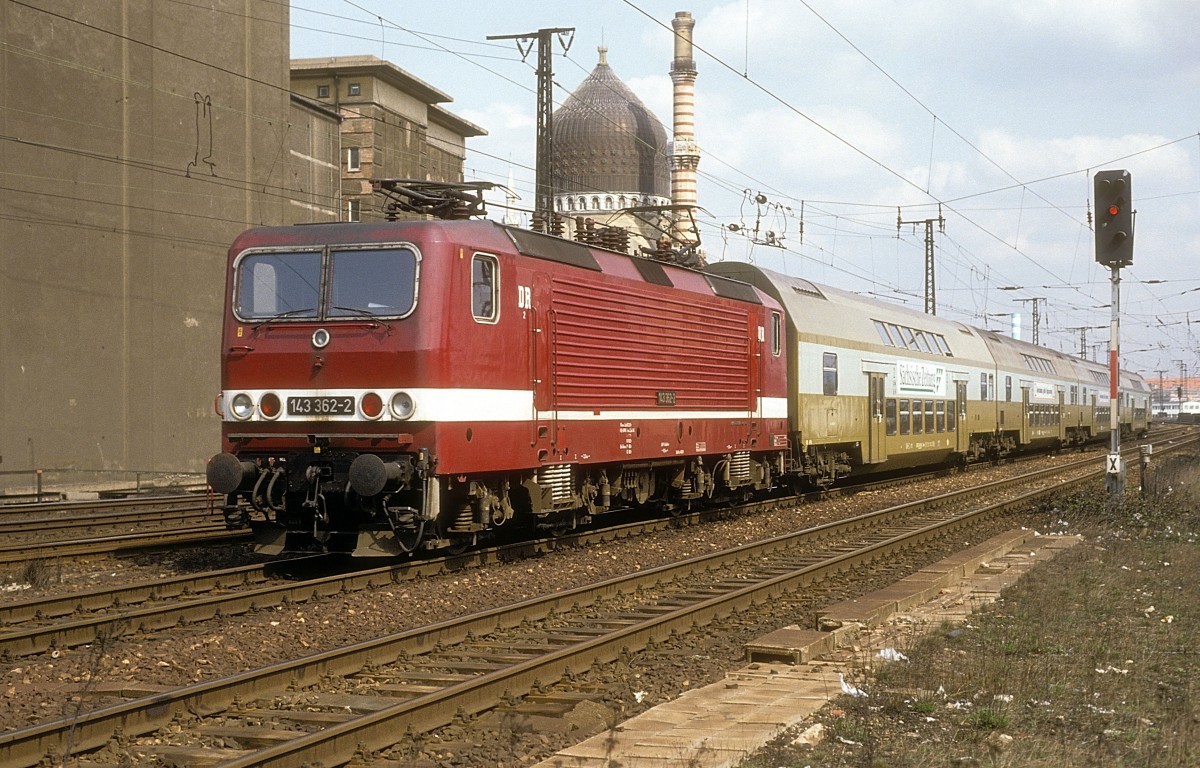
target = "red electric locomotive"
x: 395, y: 386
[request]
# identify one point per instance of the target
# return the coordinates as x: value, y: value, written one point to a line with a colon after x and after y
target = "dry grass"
x: 1092, y: 660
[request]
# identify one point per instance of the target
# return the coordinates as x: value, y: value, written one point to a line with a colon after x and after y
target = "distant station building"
x: 610, y: 154
x: 392, y: 126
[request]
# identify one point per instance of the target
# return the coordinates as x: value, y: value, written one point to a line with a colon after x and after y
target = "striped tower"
x: 685, y: 152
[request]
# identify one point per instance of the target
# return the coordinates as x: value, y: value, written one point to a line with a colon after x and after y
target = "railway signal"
x: 1114, y: 219
x: 1114, y: 249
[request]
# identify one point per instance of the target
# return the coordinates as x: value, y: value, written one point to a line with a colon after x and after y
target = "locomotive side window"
x: 372, y: 281
x: 278, y: 284
x: 776, y: 334
x: 829, y: 377
x: 485, y: 288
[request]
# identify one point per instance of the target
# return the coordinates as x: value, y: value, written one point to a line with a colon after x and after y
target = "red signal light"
x: 372, y: 405
x: 269, y: 405
x: 1113, y: 210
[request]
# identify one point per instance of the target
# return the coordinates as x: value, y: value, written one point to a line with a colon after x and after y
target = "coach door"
x: 876, y: 427
x: 962, y: 435
x: 1059, y: 421
x: 1025, y: 416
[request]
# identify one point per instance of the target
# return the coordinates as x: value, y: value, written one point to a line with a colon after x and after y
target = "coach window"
x: 941, y: 415
x: 881, y: 329
x: 890, y: 415
x: 776, y: 334
x: 951, y: 415
x: 1008, y: 388
x: 904, y: 418
x: 930, y: 426
x: 485, y: 288
x: 983, y: 393
x: 922, y: 342
x: 829, y: 378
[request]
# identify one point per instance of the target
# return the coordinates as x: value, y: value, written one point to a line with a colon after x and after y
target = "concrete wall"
x: 137, y: 138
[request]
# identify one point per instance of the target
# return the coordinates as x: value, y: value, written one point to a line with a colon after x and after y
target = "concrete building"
x: 392, y: 126
x: 137, y: 139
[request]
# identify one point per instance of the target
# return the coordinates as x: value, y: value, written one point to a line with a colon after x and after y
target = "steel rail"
x: 154, y: 539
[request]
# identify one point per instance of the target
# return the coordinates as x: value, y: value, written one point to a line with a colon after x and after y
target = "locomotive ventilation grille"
x: 557, y: 477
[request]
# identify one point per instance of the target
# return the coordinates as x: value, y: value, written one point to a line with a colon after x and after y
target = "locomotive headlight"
x: 241, y: 406
x: 403, y: 405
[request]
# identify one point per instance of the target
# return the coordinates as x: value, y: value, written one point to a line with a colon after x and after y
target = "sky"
x: 992, y: 115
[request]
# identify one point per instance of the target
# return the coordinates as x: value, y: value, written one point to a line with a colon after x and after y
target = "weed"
x: 40, y: 573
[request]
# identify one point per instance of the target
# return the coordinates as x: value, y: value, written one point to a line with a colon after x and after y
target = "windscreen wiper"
x: 287, y: 313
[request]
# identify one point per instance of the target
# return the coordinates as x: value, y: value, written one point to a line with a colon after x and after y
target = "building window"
x: 354, y: 89
x: 352, y: 161
x: 322, y: 91
x: 829, y: 378
x: 353, y: 210
x: 485, y: 287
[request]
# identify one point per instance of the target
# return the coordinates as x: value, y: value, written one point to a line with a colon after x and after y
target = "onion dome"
x: 610, y: 151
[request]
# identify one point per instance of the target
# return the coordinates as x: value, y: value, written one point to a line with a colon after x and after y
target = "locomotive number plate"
x: 321, y: 406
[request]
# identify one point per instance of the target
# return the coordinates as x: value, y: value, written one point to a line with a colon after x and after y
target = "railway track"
x: 78, y: 528
x: 367, y: 697
x: 62, y: 621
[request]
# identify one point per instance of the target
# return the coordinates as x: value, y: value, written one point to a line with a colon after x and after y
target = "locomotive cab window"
x: 277, y: 285
x: 485, y: 288
x: 372, y: 282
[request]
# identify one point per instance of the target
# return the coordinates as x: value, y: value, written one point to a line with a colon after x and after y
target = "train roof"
x: 834, y: 312
x: 820, y: 310
x: 491, y: 236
